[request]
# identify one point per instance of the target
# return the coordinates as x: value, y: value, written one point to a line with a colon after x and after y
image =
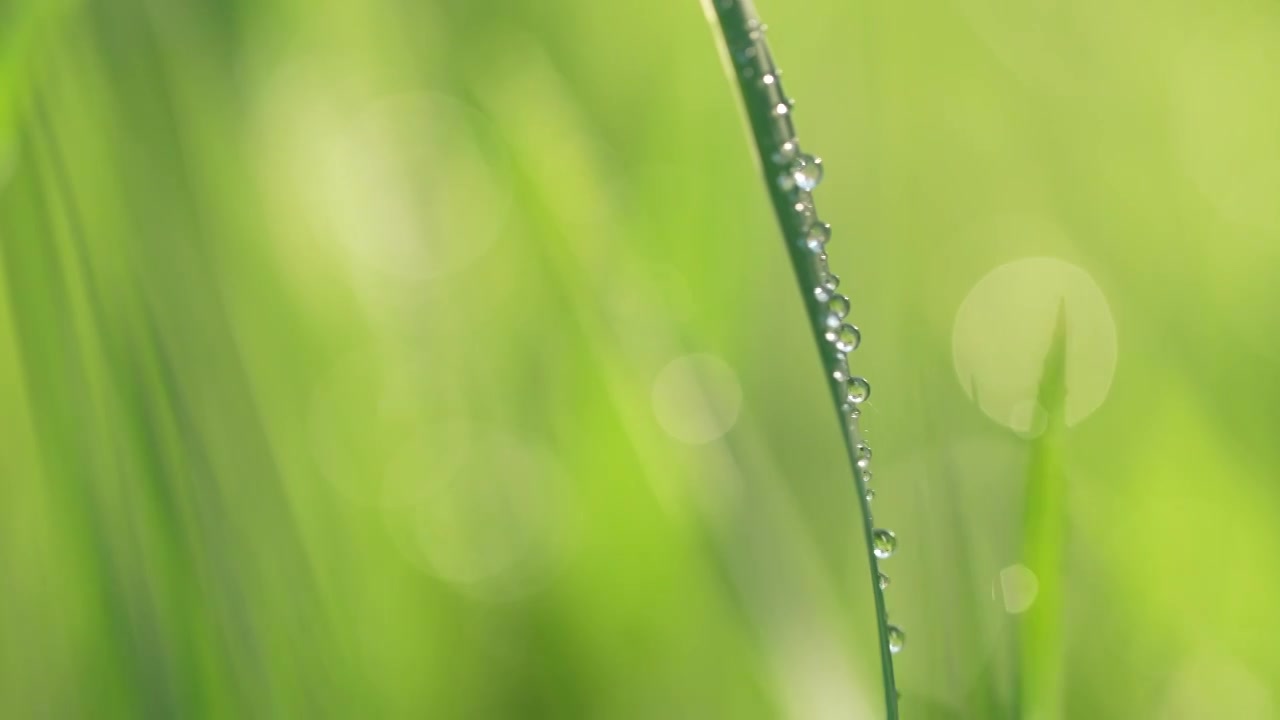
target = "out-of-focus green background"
x: 441, y: 359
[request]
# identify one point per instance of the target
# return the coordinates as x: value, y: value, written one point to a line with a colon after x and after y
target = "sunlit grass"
x: 329, y: 337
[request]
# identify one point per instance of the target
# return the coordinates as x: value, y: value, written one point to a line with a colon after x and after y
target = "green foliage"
x: 330, y: 333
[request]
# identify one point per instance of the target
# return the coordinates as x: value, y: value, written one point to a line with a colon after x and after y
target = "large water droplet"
x: 839, y: 306
x: 897, y: 639
x: 831, y: 280
x: 822, y: 293
x: 883, y: 543
x: 883, y: 580
x: 817, y: 236
x: 859, y: 390
x: 806, y: 172
x: 847, y: 338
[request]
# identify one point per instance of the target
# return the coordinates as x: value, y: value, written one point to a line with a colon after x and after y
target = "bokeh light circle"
x: 697, y: 398
x: 1003, y: 332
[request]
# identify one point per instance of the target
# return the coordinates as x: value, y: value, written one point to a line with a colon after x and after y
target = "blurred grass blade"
x: 1040, y: 645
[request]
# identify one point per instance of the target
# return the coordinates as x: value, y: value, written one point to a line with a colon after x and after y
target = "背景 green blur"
x: 440, y: 359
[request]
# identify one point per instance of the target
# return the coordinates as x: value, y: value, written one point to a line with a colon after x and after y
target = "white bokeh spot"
x: 697, y: 398
x: 1003, y: 332
x: 407, y: 188
x: 1214, y: 686
x: 1017, y: 587
x: 488, y: 513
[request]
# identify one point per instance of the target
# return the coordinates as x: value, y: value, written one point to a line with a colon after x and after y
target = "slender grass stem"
x: 1040, y: 646
x: 768, y: 110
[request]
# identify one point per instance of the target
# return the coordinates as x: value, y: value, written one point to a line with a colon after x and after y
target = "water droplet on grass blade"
x: 803, y: 206
x: 847, y: 338
x: 897, y: 639
x: 806, y: 172
x: 786, y: 152
x: 851, y: 411
x: 817, y: 236
x: 883, y: 580
x: 883, y: 543
x: 859, y: 390
x: 841, y: 371
x: 839, y: 306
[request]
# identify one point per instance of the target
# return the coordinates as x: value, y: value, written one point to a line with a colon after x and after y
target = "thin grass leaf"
x: 1040, y: 639
x: 790, y: 176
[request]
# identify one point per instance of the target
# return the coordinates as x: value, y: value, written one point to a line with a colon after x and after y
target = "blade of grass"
x: 768, y: 112
x: 1040, y: 631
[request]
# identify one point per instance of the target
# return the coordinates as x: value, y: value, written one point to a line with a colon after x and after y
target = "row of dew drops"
x: 798, y: 175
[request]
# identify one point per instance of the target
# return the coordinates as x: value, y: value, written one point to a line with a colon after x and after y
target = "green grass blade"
x: 1040, y: 640
x: 768, y: 113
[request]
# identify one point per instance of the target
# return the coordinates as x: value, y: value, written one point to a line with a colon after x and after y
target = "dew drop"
x: 859, y: 390
x: 847, y: 338
x: 841, y: 371
x: 804, y: 203
x: 869, y: 494
x: 786, y: 152
x: 866, y: 476
x: 769, y: 79
x: 817, y: 236
x: 883, y: 580
x: 897, y: 639
x: 839, y: 306
x: 831, y: 281
x: 781, y: 109
x: 806, y: 171
x: 822, y: 293
x: 883, y: 543
x: 832, y: 323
